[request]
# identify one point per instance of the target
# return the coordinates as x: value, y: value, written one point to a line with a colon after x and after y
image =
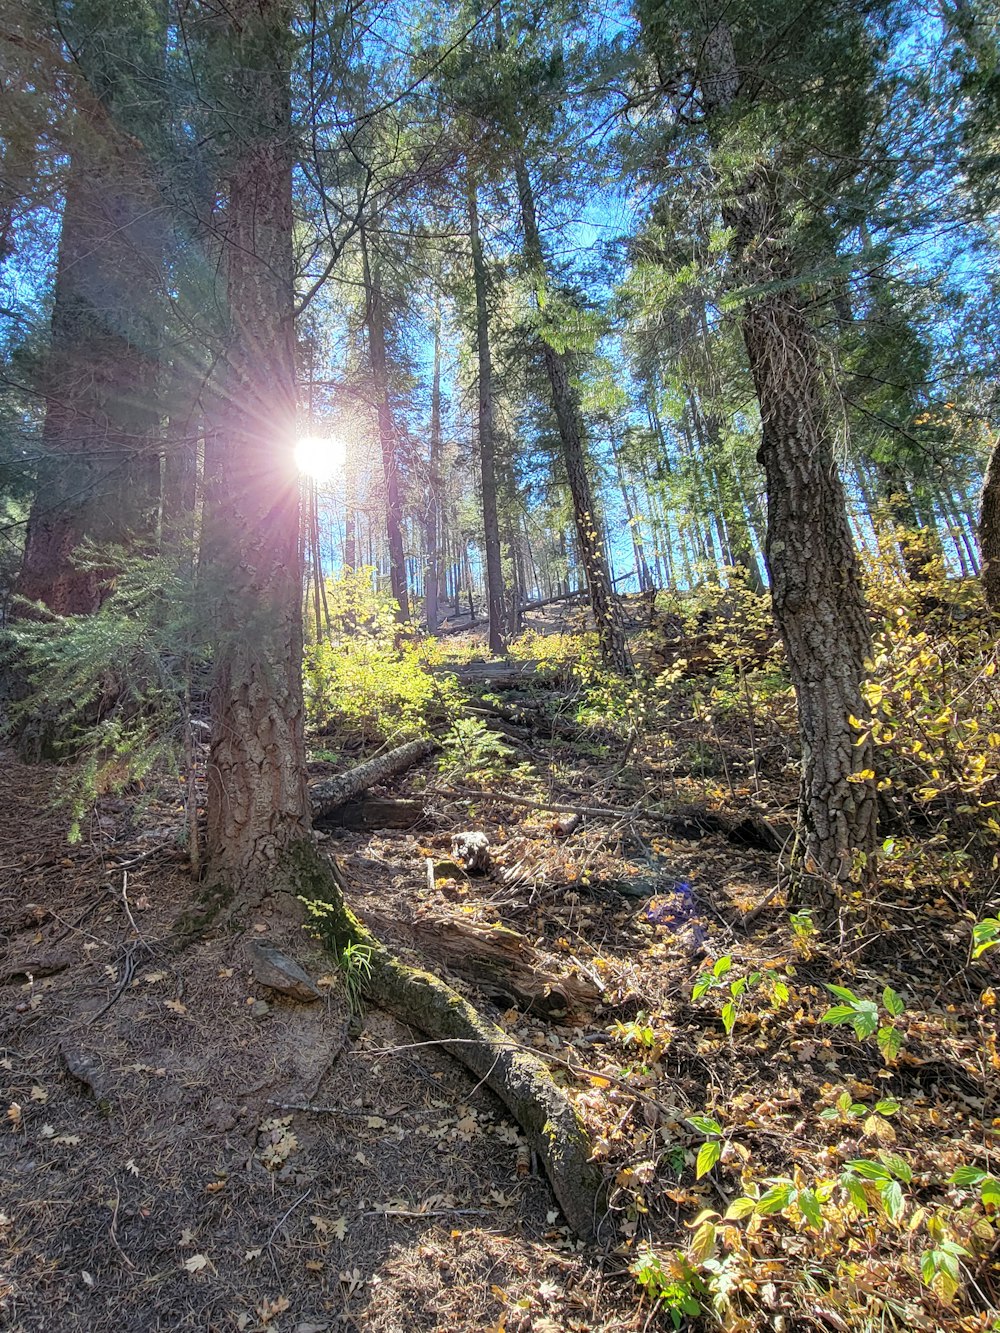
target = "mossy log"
x: 522, y: 1082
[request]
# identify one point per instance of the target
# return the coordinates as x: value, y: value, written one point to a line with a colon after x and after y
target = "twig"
x: 285, y: 1216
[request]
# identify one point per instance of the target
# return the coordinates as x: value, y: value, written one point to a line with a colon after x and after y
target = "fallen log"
x: 374, y: 812
x: 326, y: 796
x: 500, y: 962
x: 522, y: 1082
x: 689, y: 821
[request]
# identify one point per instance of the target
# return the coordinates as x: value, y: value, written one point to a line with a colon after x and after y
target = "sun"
x: 320, y: 457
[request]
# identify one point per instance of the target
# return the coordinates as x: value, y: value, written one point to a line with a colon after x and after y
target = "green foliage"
x: 985, y: 934
x: 863, y: 1016
x: 370, y: 690
x: 470, y: 751
x: 354, y: 962
x: 112, y: 690
x: 670, y: 1282
x: 719, y: 978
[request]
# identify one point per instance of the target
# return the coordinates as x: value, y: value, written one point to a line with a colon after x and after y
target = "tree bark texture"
x: 815, y: 583
x: 603, y: 603
x: 989, y: 531
x: 257, y: 800
x: 487, y: 434
x: 99, y: 474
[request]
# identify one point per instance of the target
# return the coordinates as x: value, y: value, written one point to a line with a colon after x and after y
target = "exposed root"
x: 521, y: 1081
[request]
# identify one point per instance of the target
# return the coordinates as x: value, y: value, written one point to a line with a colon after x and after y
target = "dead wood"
x: 327, y: 796
x: 500, y: 962
x: 522, y: 1082
x: 689, y: 821
x: 375, y: 812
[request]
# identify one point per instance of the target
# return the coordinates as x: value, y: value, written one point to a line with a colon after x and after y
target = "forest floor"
x: 185, y: 1149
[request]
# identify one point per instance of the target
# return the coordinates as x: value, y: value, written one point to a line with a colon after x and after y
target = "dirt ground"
x: 158, y: 1172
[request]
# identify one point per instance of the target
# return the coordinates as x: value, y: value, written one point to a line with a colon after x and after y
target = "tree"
x: 746, y: 71
x: 98, y: 475
x: 257, y: 808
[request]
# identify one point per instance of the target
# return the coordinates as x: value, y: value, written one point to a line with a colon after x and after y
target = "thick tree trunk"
x: 989, y: 531
x: 603, y: 603
x: 487, y: 434
x: 99, y: 478
x: 258, y: 807
x: 375, y: 319
x: 815, y: 584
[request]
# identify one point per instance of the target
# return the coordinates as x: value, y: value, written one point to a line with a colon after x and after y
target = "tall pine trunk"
x: 815, y: 584
x: 487, y: 433
x: 258, y: 807
x: 989, y: 531
x: 603, y: 603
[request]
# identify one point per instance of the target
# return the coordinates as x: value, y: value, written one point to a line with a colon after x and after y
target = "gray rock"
x: 278, y: 972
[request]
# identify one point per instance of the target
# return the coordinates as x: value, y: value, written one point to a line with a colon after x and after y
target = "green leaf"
x: 892, y: 1002
x: 780, y: 992
x: 840, y: 1013
x: 899, y: 1168
x: 737, y: 987
x: 729, y: 1016
x: 722, y: 966
x: 701, y: 986
x: 967, y: 1176
x: 887, y: 1106
x: 831, y: 1113
x: 929, y: 1261
x: 861, y: 1166
x: 856, y: 1192
x: 740, y: 1208
x: 810, y: 1208
x: 989, y: 1192
x: 865, y: 1019
x: 704, y: 1124
x: 890, y: 1042
x: 841, y: 992
x: 776, y: 1198
x: 891, y: 1194
x: 708, y: 1154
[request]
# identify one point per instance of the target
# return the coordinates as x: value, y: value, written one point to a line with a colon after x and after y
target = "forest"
x: 499, y: 712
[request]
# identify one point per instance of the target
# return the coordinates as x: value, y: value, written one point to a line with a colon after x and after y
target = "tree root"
x: 521, y: 1081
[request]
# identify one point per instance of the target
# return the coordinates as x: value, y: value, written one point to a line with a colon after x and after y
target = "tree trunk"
x: 487, y: 434
x: 432, y: 521
x: 815, y: 584
x: 375, y: 319
x: 989, y: 531
x: 603, y: 603
x: 99, y: 478
x: 258, y: 806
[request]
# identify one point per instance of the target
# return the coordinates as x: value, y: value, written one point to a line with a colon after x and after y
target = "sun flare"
x: 319, y: 457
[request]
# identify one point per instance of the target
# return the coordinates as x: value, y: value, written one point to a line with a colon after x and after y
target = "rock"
x: 278, y: 972
x: 472, y: 852
x: 86, y: 1067
x: 260, y: 1009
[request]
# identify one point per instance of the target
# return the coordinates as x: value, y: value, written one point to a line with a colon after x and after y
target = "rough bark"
x: 989, y: 531
x: 375, y: 319
x: 603, y: 603
x: 327, y: 796
x: 257, y: 803
x: 99, y: 475
x: 815, y: 583
x: 487, y: 434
